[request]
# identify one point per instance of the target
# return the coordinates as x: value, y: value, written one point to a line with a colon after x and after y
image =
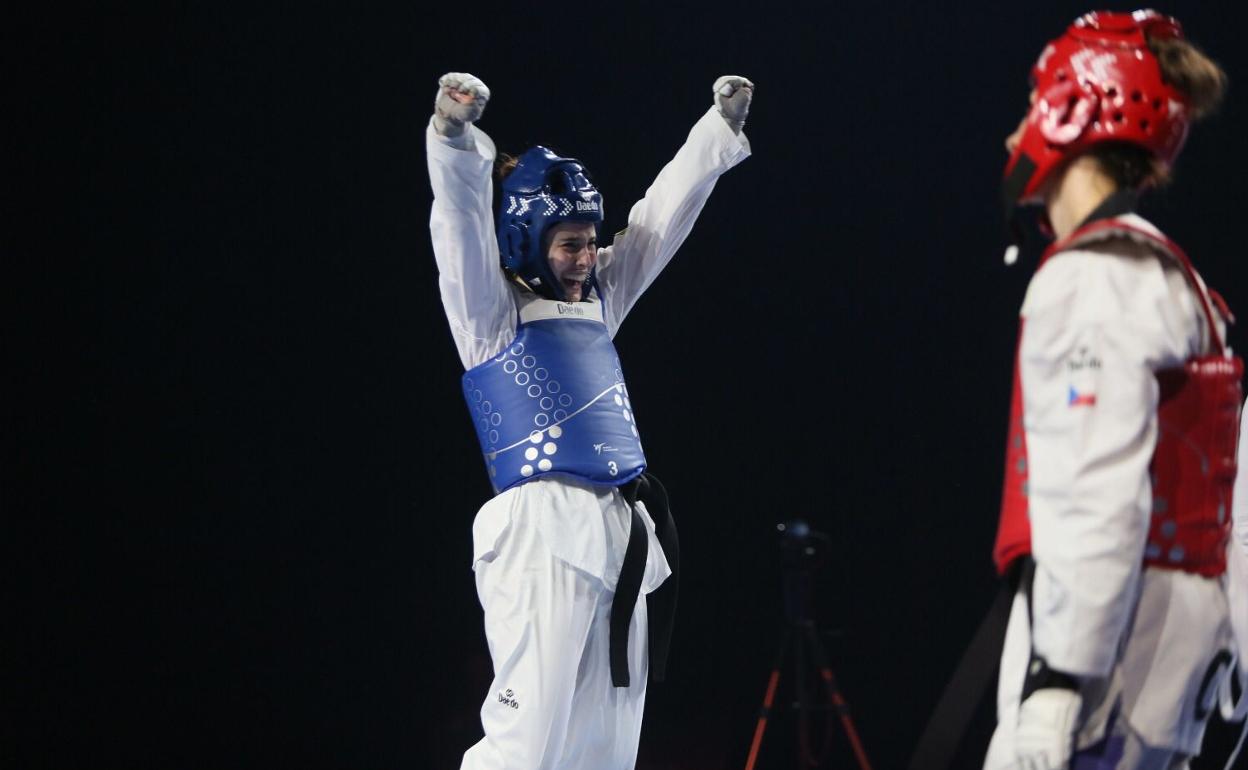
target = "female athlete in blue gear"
x: 567, y: 544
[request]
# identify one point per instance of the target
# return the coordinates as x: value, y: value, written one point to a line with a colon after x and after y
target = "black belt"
x: 661, y: 603
x: 950, y: 722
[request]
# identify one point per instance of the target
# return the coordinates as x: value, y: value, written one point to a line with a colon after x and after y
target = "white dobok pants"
x: 1156, y: 701
x: 551, y: 704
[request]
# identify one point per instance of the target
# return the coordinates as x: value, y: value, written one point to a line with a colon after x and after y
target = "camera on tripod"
x: 801, y: 546
x: 803, y: 550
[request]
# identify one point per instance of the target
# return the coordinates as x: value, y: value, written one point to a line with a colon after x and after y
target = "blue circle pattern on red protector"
x: 555, y: 402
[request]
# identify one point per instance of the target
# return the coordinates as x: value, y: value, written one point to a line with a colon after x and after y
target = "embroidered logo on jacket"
x: 508, y: 698
x: 1083, y: 359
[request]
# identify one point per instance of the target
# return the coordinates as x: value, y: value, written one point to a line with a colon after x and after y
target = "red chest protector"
x: 1193, y: 465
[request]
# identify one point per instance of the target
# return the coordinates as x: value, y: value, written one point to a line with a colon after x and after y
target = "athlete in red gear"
x: 1121, y: 452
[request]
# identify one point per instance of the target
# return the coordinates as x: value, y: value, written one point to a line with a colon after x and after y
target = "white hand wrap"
x: 732, y: 98
x: 1045, y: 736
x: 460, y: 100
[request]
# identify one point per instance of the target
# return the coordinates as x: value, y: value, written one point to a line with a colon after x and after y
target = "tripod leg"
x: 773, y: 681
x: 804, y: 758
x: 834, y: 696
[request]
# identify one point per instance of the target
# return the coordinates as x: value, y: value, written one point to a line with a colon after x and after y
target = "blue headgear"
x: 541, y: 190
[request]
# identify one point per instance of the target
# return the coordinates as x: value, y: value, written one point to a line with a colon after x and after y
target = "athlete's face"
x: 572, y: 253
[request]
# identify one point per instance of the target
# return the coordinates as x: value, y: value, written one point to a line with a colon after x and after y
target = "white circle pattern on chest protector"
x: 549, y: 402
x: 488, y: 419
x: 621, y: 399
x: 515, y: 365
x: 514, y: 361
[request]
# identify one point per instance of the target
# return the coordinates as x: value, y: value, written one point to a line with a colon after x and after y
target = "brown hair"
x: 504, y: 164
x: 1130, y: 166
x: 1187, y: 69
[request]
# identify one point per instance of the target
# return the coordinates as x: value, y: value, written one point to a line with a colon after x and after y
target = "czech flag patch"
x: 1076, y: 398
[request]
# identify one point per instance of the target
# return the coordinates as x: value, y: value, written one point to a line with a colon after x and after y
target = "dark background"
x: 243, y: 479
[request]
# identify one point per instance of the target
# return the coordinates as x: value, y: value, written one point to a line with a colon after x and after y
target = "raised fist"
x: 732, y: 98
x: 460, y: 100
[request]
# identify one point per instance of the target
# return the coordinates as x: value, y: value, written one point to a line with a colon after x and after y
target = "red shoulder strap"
x: 1114, y: 226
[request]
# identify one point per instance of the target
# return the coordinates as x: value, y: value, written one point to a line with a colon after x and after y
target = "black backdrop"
x: 244, y: 479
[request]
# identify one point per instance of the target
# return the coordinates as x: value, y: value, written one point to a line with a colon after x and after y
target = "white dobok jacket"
x: 1098, y: 322
x: 583, y: 525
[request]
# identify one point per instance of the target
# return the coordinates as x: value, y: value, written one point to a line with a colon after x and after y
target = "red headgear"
x: 1099, y: 82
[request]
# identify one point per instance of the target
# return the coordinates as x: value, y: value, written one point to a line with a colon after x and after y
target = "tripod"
x: 802, y: 552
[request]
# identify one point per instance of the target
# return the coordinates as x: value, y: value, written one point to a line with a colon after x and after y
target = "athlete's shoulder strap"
x: 1116, y: 227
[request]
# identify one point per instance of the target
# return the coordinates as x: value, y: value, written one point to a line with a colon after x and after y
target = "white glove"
x: 732, y: 98
x: 1045, y: 736
x: 460, y: 100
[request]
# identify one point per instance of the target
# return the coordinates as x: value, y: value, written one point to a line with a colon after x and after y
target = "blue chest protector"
x: 555, y: 402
